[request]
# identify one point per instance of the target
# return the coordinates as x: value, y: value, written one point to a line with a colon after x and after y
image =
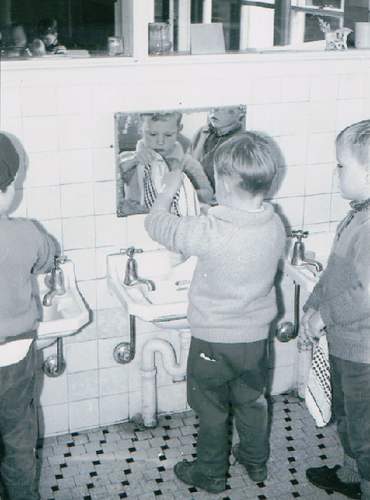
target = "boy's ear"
x: 226, y: 183
x: 181, y: 126
x: 367, y: 177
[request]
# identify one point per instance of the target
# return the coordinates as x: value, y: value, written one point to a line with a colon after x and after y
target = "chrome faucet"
x: 56, y: 281
x: 131, y: 277
x: 298, y: 258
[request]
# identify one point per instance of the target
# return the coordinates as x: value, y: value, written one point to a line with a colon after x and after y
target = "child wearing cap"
x: 24, y: 250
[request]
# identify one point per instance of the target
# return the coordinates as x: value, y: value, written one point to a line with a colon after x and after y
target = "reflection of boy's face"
x: 224, y: 117
x: 49, y: 39
x: 160, y: 135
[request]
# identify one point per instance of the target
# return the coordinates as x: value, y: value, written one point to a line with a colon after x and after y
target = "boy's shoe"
x: 188, y: 474
x: 327, y: 479
x: 257, y: 473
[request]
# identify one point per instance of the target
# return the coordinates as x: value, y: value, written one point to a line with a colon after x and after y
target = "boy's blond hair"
x: 251, y: 158
x: 356, y: 138
x: 162, y: 117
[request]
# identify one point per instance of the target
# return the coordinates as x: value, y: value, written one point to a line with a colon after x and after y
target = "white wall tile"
x: 114, y: 408
x: 317, y: 209
x: 104, y: 164
x: 236, y: 91
x: 84, y: 262
x: 73, y: 99
x: 350, y: 111
x: 141, y: 96
x: 78, y: 232
x: 113, y: 380
x: 54, y: 390
x: 103, y: 130
x: 324, y: 87
x: 43, y: 169
x: 38, y: 100
x: 113, y: 323
x: 77, y: 200
x: 105, y: 298
x: 10, y: 102
x: 173, y: 96
x: 107, y: 97
x: 53, y: 419
x: 83, y: 385
x: 43, y: 203
x: 74, y: 132
x: 291, y: 182
x: 40, y: 134
x: 294, y: 118
x: 110, y: 230
x: 322, y: 116
x: 352, y: 84
x: 319, y: 178
x: 107, y: 346
x: 294, y: 149
x: 204, y: 93
x: 84, y: 414
x: 76, y: 166
x: 266, y: 90
x: 321, y: 148
x: 265, y: 118
x: 295, y: 88
x: 105, y: 197
x: 291, y: 210
x: 82, y: 356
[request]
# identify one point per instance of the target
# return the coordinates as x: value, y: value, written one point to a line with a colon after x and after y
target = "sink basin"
x: 318, y: 247
x: 167, y: 305
x: 67, y: 313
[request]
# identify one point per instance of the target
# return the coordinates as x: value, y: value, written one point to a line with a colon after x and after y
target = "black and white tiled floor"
x: 121, y: 461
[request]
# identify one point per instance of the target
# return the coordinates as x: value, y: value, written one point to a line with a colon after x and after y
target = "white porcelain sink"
x: 67, y: 313
x: 167, y: 305
x: 317, y: 247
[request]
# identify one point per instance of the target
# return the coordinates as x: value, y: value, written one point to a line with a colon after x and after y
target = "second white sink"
x: 167, y: 305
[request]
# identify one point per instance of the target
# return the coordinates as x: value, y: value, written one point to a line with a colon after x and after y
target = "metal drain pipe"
x: 148, y: 371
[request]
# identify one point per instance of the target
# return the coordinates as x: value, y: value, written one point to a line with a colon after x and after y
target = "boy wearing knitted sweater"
x: 231, y: 305
x: 340, y: 302
x: 23, y: 250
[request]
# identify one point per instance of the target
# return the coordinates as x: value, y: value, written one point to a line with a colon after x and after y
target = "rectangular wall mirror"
x: 149, y: 143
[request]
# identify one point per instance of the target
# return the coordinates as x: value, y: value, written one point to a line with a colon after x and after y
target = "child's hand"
x: 313, y: 323
x: 145, y: 156
x: 172, y: 182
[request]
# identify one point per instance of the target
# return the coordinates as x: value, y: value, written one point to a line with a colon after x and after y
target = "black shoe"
x: 257, y: 473
x: 327, y: 479
x: 188, y: 474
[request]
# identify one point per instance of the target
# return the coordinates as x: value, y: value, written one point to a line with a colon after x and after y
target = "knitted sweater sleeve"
x: 353, y: 303
x: 186, y: 235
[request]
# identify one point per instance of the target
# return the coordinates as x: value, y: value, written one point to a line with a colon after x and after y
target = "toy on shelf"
x: 335, y: 39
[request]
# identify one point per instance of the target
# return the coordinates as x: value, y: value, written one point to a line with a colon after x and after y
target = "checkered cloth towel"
x: 318, y: 391
x: 185, y: 201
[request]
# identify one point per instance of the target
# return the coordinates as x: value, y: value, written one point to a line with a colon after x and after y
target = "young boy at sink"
x: 23, y: 250
x: 340, y: 303
x: 232, y: 302
x: 160, y: 132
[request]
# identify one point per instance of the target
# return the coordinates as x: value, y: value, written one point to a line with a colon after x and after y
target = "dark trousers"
x: 351, y: 407
x: 220, y: 375
x: 18, y: 429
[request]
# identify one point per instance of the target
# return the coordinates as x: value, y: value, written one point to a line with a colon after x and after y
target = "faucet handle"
x: 59, y: 259
x: 299, y: 234
x: 130, y: 251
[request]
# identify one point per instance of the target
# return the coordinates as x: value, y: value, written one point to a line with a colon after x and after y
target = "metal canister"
x: 115, y: 45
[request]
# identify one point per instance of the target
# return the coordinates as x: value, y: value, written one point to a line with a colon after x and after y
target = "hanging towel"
x: 186, y: 199
x: 318, y: 391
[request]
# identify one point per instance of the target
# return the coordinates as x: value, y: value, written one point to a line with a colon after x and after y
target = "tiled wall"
x: 62, y: 111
